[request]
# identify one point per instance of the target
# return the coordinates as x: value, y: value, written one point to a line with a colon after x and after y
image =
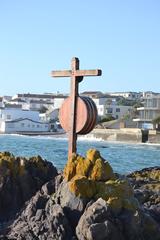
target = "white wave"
x: 50, y: 137
x: 90, y: 137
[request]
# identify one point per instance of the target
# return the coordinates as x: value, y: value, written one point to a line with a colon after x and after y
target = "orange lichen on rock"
x: 82, y: 186
x: 93, y: 177
x: 93, y: 167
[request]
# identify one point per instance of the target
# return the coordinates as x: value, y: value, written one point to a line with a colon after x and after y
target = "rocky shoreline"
x: 88, y: 201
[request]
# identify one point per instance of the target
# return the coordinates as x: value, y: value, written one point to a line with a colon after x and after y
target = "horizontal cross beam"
x: 76, y: 73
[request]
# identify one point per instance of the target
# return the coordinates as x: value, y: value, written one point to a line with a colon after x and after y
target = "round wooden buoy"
x: 90, y: 115
x: 86, y: 115
x: 94, y: 116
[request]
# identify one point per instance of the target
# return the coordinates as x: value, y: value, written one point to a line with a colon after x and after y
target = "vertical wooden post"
x: 74, y: 94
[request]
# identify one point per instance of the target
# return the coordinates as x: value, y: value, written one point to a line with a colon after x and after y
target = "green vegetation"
x: 126, y: 102
x: 43, y: 109
x: 106, y: 119
x: 156, y: 120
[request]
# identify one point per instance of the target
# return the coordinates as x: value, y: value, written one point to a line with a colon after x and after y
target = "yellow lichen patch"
x: 39, y: 163
x: 93, y: 155
x: 101, y: 171
x: 10, y: 165
x: 155, y: 175
x: 147, y: 174
x: 93, y: 177
x: 114, y: 188
x: 83, y: 166
x: 115, y: 203
x: 81, y: 186
x: 117, y: 193
x: 153, y: 186
x: 70, y: 169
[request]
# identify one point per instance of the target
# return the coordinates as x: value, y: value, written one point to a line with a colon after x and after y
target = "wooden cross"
x: 76, y: 77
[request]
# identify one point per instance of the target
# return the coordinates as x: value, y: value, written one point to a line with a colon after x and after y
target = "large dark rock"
x: 98, y: 222
x: 146, y: 185
x: 73, y: 206
x: 90, y: 203
x: 20, y: 179
x: 41, y: 219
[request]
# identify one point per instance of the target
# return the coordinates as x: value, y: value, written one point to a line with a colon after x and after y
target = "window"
x: 117, y: 109
x: 38, y: 126
x: 8, y: 116
x: 29, y: 125
x: 33, y: 125
x: 109, y: 110
x: 11, y: 125
x: 22, y: 124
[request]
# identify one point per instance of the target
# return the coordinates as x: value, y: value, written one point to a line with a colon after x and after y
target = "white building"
x: 118, y: 111
x: 23, y: 125
x: 28, y: 97
x: 39, y: 104
x: 15, y: 119
x: 19, y: 101
x: 49, y: 115
x: 100, y: 100
x: 127, y: 95
x: 58, y: 100
x: 1, y: 102
x: 6, y: 99
x: 38, y: 101
x: 149, y: 112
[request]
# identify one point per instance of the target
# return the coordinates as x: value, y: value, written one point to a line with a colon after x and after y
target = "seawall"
x: 123, y: 135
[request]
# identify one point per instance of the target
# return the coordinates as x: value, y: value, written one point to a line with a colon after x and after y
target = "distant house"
x: 149, y: 112
x: 92, y: 94
x: 38, y: 101
x: 23, y: 125
x: 1, y: 102
x: 6, y: 99
x: 99, y: 99
x: 118, y: 111
x: 127, y: 95
x: 39, y: 104
x: 58, y: 100
x: 29, y: 96
x: 15, y: 119
x: 19, y: 101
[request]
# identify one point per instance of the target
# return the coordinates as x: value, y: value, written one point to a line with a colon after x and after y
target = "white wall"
x: 58, y: 102
x: 15, y: 113
x: 118, y: 111
x: 53, y: 115
x: 2, y: 126
x: 99, y: 101
x: 24, y: 126
x: 101, y: 110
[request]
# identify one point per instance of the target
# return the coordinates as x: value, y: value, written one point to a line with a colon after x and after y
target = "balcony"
x: 148, y: 108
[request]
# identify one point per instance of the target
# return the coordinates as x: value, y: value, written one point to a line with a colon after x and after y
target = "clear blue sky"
x: 122, y: 37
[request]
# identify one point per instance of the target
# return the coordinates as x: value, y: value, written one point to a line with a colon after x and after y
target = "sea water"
x: 123, y: 157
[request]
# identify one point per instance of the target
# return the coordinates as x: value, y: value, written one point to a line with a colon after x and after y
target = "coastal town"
x: 119, y: 114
